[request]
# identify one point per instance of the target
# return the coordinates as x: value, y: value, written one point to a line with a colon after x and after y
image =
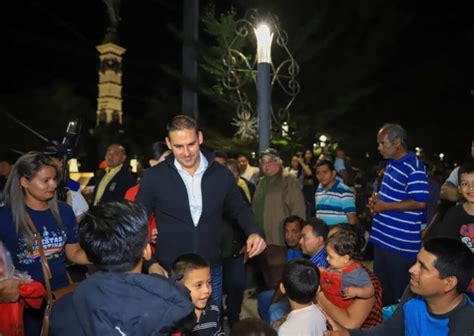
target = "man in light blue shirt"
x: 188, y: 194
x: 193, y: 186
x: 334, y: 201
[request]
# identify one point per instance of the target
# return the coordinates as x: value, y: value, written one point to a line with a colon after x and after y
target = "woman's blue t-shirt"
x: 54, y: 238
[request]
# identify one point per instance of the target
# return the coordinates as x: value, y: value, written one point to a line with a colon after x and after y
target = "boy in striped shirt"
x: 193, y: 271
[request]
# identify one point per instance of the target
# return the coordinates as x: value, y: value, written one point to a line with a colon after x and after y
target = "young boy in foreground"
x: 193, y: 272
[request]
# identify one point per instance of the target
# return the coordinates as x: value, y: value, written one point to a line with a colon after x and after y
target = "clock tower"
x: 109, y: 102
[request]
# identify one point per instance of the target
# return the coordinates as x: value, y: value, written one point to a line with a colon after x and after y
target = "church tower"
x: 109, y: 102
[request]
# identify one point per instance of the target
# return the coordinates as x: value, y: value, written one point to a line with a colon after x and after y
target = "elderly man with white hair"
x: 278, y: 195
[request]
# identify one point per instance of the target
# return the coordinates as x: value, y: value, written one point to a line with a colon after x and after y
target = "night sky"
x: 50, y: 75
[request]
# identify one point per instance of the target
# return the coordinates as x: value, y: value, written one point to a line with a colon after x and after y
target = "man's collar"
x: 203, y: 164
x: 332, y: 185
x: 108, y: 169
x: 404, y: 157
x: 320, y: 252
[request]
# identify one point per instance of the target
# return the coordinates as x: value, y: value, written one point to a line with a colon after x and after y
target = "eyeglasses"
x: 267, y: 162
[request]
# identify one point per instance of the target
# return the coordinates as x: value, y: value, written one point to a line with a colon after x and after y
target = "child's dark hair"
x: 185, y: 263
x: 301, y: 280
x: 345, y: 242
x: 114, y: 234
x: 466, y: 168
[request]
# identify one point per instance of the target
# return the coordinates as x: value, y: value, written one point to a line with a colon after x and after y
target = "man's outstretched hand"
x: 255, y: 245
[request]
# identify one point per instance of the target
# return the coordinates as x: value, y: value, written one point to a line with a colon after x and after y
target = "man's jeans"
x: 271, y: 312
x: 216, y: 282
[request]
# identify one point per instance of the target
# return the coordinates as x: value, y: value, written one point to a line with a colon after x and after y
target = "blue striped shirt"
x: 333, y: 205
x: 399, y: 231
x: 319, y: 259
x: 209, y: 323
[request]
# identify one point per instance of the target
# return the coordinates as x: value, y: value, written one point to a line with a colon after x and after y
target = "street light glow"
x: 285, y: 129
x: 73, y: 166
x: 264, y: 43
x: 134, y: 165
x: 323, y: 138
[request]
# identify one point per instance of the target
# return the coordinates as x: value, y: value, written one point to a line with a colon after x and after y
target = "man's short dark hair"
x: 182, y: 122
x: 114, y: 235
x: 301, y: 280
x: 453, y: 258
x: 466, y: 168
x: 185, y: 263
x: 318, y: 227
x: 293, y: 219
x: 244, y: 155
x: 221, y: 154
x: 325, y: 162
x: 120, y: 146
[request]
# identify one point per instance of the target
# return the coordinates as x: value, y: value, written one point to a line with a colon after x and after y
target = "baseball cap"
x: 270, y: 152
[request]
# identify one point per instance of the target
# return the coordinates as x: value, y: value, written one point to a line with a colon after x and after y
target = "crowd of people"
x: 168, y: 254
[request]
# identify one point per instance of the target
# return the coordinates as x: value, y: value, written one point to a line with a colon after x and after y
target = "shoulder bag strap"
x: 44, y: 263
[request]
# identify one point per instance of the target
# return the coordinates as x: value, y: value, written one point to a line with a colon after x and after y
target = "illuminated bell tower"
x: 109, y: 102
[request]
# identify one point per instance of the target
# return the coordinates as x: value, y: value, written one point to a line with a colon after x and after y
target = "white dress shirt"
x: 193, y: 186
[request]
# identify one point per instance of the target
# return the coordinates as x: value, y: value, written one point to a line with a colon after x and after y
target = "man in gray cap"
x: 278, y: 195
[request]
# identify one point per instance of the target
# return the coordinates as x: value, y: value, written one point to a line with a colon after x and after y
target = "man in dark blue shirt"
x: 435, y: 303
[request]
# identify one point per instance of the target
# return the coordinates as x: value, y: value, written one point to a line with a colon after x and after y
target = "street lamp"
x: 285, y: 129
x: 418, y: 151
x: 264, y: 47
x: 264, y: 44
x: 267, y: 74
x: 322, y: 142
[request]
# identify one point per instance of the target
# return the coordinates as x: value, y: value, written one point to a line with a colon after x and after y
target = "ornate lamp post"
x: 239, y: 70
x: 264, y: 100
